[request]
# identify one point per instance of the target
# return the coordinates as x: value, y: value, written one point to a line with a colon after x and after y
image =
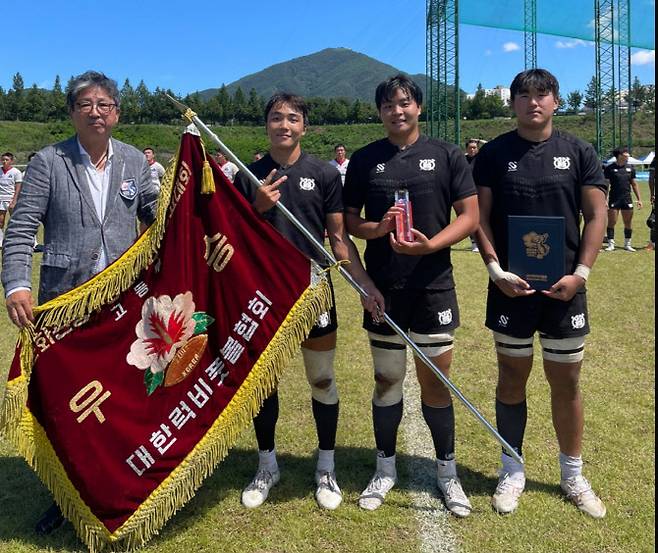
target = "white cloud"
x: 570, y: 43
x: 510, y: 47
x: 643, y: 57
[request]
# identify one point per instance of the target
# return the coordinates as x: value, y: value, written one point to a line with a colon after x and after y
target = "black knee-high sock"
x: 652, y: 235
x: 441, y: 422
x: 610, y: 232
x: 511, y: 421
x: 265, y: 422
x: 386, y: 421
x: 326, y: 423
x: 628, y: 233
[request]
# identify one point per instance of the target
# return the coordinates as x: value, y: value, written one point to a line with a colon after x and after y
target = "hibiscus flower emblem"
x: 164, y: 330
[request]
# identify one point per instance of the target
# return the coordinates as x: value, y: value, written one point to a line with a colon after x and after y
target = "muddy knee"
x: 319, y: 366
x: 389, y: 356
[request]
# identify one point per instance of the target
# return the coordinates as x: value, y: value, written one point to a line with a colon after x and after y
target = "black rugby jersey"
x: 311, y: 192
x: 620, y: 177
x: 537, y: 178
x: 436, y: 175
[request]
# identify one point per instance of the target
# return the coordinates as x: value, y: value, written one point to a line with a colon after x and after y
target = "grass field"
x: 618, y: 385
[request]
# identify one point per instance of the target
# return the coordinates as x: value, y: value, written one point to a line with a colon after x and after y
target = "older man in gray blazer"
x: 88, y: 192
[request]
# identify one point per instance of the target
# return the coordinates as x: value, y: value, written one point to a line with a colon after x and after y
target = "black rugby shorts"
x: 523, y: 316
x: 328, y: 321
x: 421, y: 311
x: 625, y: 202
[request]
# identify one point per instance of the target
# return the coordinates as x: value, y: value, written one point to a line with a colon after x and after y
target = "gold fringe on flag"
x: 31, y: 441
x: 26, y: 434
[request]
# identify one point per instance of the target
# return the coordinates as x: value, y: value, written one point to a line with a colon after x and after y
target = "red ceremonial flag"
x: 132, y: 387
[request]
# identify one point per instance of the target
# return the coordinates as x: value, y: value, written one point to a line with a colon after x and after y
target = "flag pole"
x: 192, y: 117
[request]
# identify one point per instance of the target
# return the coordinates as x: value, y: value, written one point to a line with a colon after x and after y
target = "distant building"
x: 502, y: 92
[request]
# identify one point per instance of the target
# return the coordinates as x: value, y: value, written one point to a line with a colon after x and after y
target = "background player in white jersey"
x: 229, y: 168
x: 11, y: 180
x: 414, y: 276
x: 311, y: 189
x: 537, y: 170
x: 157, y: 170
x: 340, y: 161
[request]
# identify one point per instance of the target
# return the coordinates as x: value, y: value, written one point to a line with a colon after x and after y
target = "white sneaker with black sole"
x: 255, y: 494
x: 453, y: 495
x: 373, y: 496
x: 328, y: 494
x: 505, y: 499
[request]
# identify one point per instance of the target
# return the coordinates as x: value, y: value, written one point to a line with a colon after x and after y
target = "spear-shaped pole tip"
x: 180, y: 105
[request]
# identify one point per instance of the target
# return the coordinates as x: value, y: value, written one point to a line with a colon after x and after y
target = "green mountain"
x: 330, y: 73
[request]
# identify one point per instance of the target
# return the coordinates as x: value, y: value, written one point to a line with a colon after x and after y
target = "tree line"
x: 140, y: 105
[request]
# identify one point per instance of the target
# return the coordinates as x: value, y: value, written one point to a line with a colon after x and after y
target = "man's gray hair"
x: 87, y: 79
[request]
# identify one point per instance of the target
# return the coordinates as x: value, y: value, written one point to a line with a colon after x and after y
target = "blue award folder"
x: 536, y: 249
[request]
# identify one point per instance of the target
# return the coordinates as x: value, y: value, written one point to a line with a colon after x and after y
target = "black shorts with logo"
x: 328, y: 321
x: 625, y: 202
x: 523, y: 316
x: 421, y: 311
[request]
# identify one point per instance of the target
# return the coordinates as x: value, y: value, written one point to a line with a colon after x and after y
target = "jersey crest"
x: 578, y: 321
x: 427, y: 164
x: 512, y: 166
x: 380, y: 168
x: 562, y: 162
x: 306, y: 183
x: 445, y: 317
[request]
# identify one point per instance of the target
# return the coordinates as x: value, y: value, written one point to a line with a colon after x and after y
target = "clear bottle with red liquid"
x: 403, y: 221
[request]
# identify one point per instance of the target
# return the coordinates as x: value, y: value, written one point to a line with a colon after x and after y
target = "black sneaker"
x: 50, y: 521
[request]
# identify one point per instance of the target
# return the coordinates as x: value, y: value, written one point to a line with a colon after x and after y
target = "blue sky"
x: 197, y: 44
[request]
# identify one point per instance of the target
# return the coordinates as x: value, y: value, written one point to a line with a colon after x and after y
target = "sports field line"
x: 434, y: 531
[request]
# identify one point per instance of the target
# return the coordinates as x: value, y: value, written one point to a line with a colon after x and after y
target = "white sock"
x: 325, y: 460
x: 512, y: 467
x: 570, y: 466
x: 386, y: 464
x: 446, y: 469
x: 267, y: 461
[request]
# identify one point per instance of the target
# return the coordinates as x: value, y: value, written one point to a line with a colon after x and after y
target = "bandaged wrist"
x: 495, y: 271
x: 582, y: 271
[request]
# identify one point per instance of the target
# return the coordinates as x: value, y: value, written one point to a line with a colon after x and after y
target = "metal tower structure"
x: 530, y: 33
x: 625, y: 116
x: 442, y: 70
x: 606, y: 97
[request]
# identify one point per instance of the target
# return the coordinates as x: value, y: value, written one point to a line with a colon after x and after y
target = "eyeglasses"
x: 104, y: 108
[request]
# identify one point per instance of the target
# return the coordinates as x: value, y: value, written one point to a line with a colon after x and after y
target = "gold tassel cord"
x: 207, y: 180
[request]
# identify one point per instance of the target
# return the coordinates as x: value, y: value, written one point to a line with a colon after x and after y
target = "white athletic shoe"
x: 505, y: 499
x: 629, y: 248
x: 610, y: 247
x: 328, y: 494
x: 453, y: 495
x: 579, y: 491
x: 255, y: 494
x: 373, y: 496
